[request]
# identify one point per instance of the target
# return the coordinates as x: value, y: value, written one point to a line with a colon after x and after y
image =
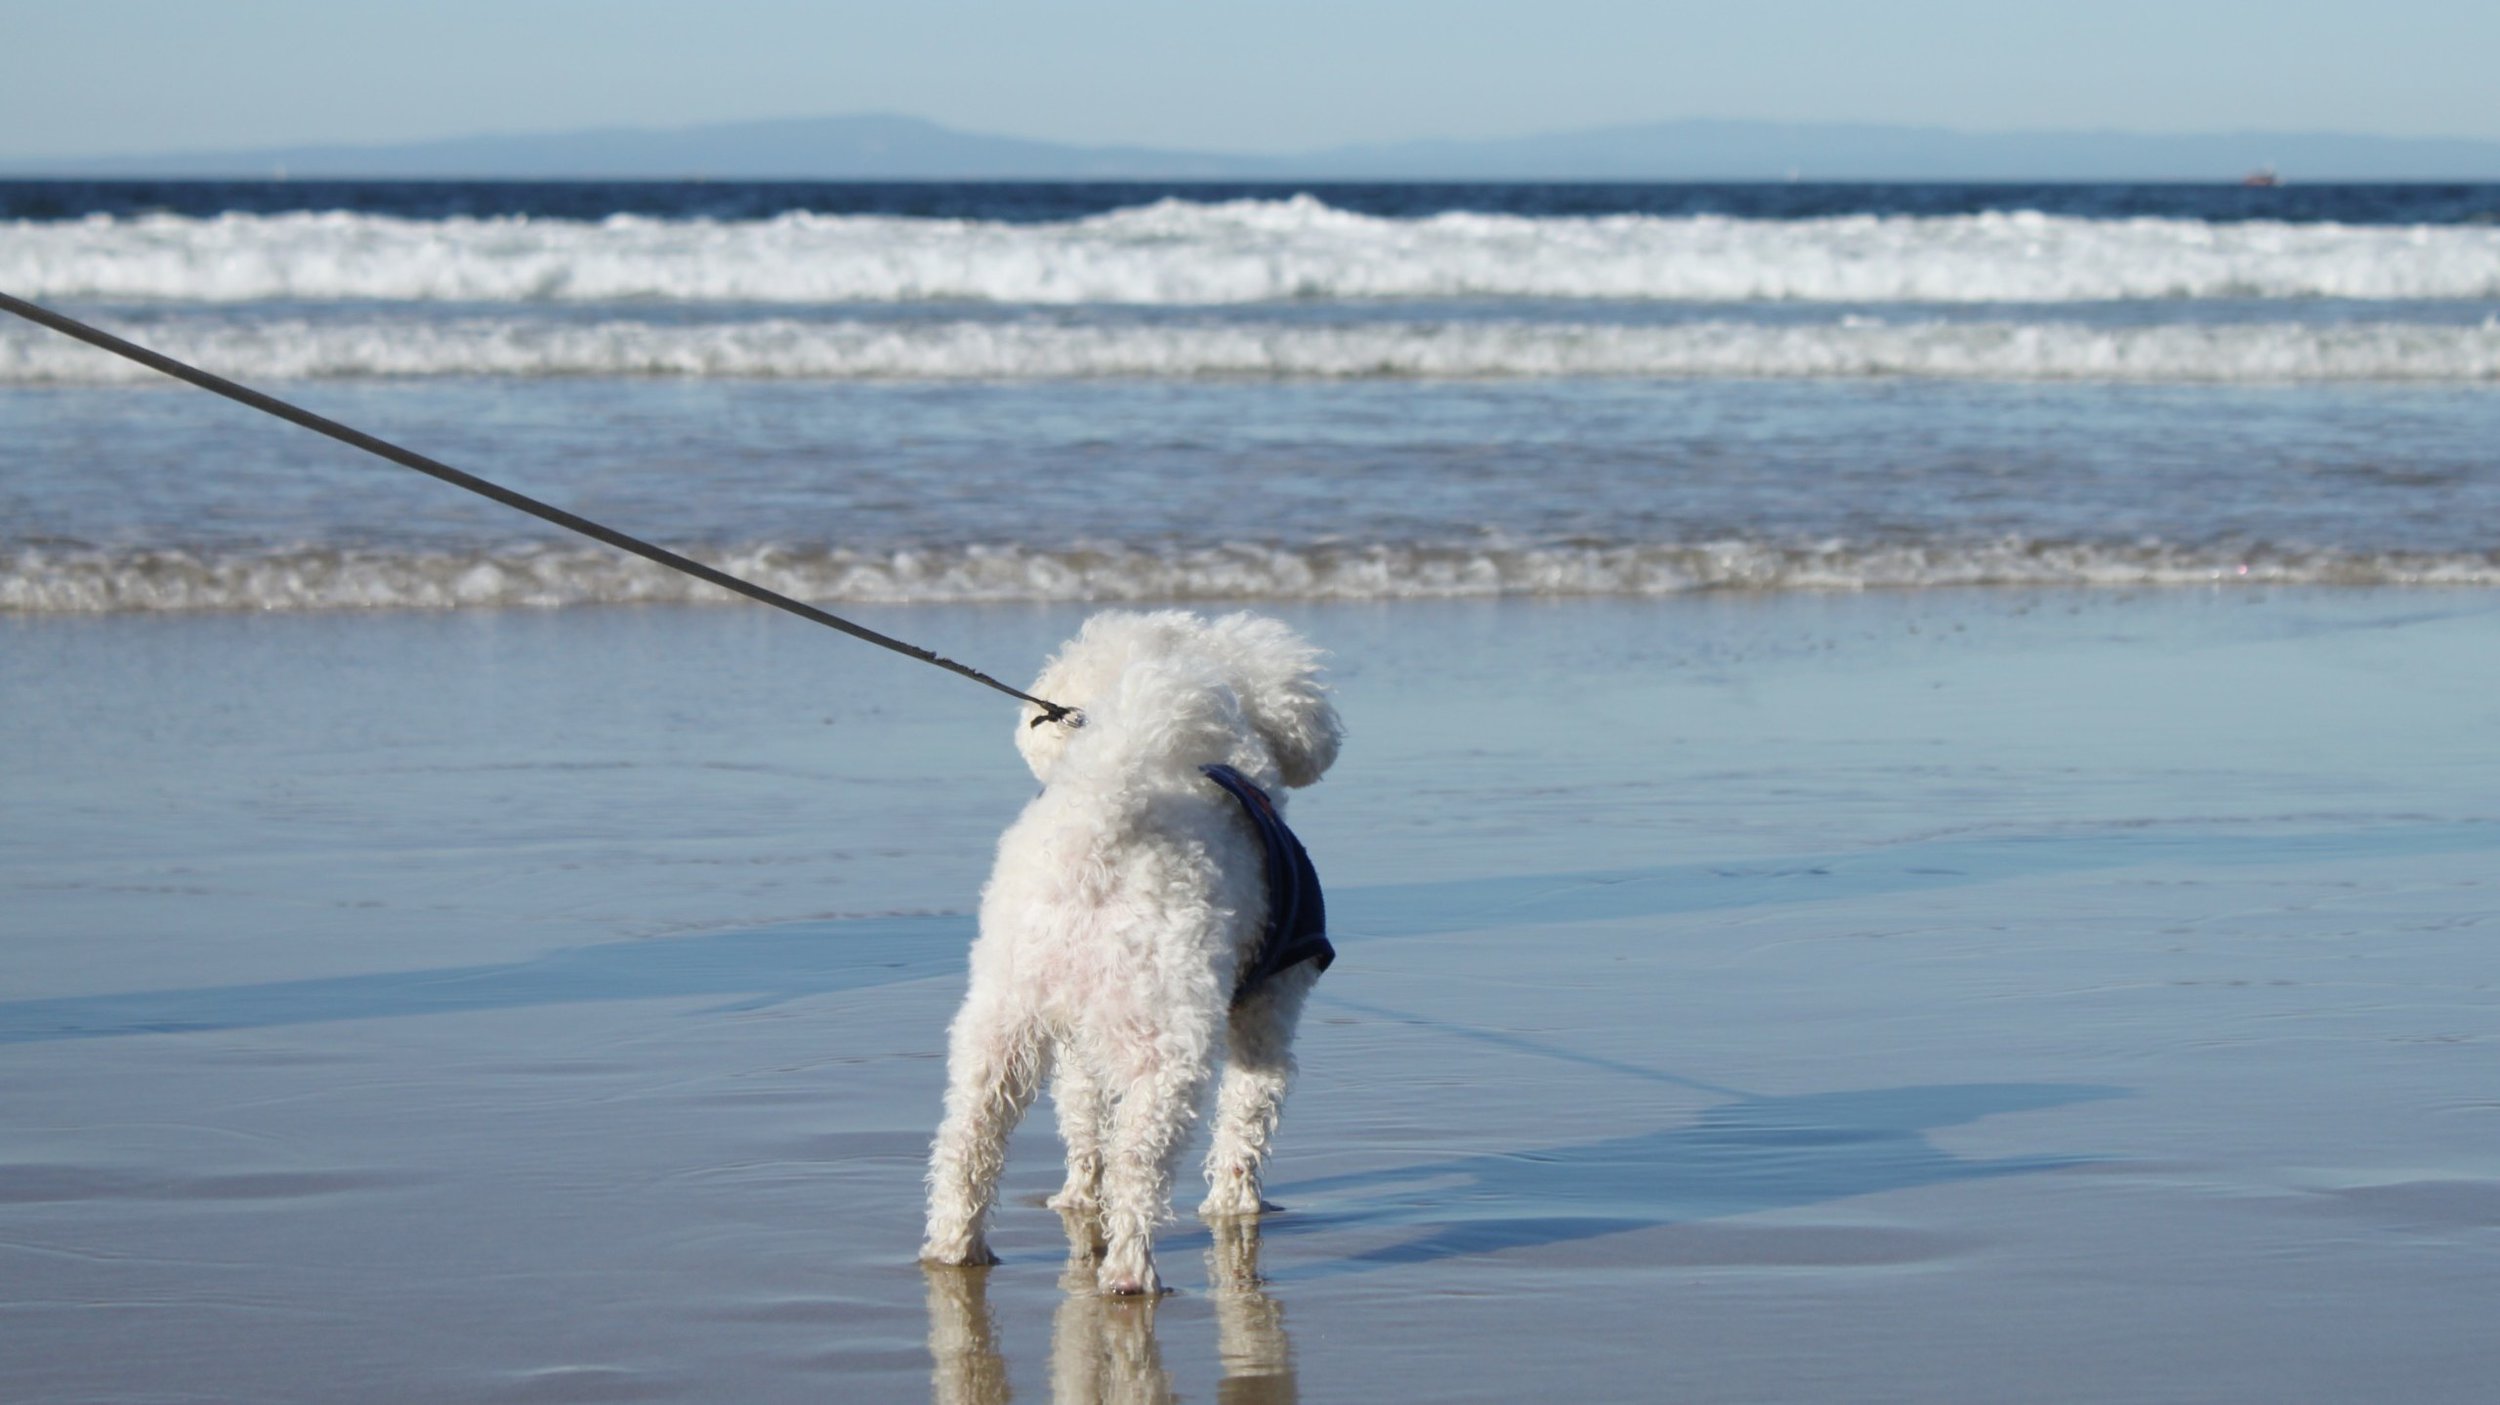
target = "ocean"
x: 1014, y: 392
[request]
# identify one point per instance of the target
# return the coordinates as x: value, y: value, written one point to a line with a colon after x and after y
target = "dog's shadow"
x: 1104, y: 1348
x: 1742, y: 1157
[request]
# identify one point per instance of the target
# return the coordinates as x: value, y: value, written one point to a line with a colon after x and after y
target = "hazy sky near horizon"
x: 104, y: 77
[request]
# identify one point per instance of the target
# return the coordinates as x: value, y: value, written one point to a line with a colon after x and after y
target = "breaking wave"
x: 291, y: 348
x: 1179, y: 252
x: 94, y: 581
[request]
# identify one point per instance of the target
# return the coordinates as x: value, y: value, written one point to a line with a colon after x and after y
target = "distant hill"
x: 874, y: 146
x: 1708, y: 150
x: 890, y: 147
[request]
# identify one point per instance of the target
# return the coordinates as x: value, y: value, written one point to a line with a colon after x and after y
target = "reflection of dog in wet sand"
x: 1103, y: 1350
x: 1147, y: 905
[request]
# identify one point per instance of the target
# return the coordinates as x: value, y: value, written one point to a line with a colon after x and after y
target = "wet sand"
x: 1946, y: 996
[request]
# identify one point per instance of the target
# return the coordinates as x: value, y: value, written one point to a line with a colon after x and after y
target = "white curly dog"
x: 1128, y: 905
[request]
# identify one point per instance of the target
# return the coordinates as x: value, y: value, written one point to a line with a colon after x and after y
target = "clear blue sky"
x: 94, y: 77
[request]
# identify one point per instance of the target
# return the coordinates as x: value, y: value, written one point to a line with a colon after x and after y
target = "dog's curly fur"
x: 1125, y: 902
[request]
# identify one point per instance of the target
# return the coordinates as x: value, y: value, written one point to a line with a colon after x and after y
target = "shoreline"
x: 1935, y: 996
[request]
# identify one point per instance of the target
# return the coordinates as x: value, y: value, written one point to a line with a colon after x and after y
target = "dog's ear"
x: 1276, y: 674
x: 1086, y: 668
x: 1040, y: 743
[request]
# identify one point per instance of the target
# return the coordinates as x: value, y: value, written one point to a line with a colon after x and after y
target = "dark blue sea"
x: 1042, y: 202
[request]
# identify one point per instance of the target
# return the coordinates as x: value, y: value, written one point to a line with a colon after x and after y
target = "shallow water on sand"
x: 1938, y: 996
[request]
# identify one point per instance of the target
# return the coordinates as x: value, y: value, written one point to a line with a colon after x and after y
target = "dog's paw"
x: 1231, y: 1197
x: 1122, y: 1285
x: 1264, y: 1207
x: 971, y: 1253
x: 1128, y: 1272
x: 1076, y: 1200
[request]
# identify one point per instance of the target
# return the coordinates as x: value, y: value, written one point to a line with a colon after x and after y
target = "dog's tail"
x: 1159, y: 722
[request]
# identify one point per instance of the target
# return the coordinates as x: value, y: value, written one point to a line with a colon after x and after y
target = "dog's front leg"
x: 1084, y: 1121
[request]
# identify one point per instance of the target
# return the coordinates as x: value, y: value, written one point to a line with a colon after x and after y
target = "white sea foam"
x: 58, y: 581
x: 1178, y: 252
x: 289, y: 348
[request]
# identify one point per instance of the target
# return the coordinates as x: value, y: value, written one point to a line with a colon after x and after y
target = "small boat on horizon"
x: 2262, y: 176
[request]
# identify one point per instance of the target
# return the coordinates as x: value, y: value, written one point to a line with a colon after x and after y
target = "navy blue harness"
x: 1297, y: 916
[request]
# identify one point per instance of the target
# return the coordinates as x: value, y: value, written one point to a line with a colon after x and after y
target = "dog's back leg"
x: 1155, y: 1107
x: 1258, y: 1067
x: 1084, y: 1122
x: 995, y: 1061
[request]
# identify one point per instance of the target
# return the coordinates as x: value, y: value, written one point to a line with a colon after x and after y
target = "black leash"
x: 405, y: 458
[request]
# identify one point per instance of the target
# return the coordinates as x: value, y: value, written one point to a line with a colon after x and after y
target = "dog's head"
x: 1171, y: 686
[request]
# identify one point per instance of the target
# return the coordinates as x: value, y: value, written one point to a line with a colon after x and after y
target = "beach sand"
x: 1943, y: 996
